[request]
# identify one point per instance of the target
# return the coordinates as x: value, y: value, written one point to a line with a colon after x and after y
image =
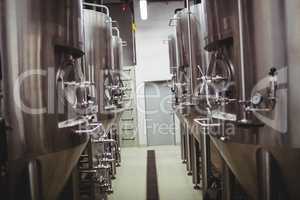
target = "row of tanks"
x: 61, y: 98
x: 235, y: 66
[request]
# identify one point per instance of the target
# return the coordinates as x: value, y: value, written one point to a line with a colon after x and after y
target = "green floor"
x: 173, y: 182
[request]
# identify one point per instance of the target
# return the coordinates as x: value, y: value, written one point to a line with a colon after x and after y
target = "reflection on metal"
x: 99, y: 56
x: 36, y: 38
x: 52, y: 97
x: 104, y: 60
x: 34, y: 182
x: 243, y: 104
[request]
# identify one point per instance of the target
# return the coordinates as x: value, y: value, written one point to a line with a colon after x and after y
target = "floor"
x: 173, y: 182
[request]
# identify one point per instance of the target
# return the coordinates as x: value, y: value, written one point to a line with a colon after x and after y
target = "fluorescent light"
x: 144, y: 9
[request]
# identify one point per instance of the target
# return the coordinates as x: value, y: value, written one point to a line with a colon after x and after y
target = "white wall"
x: 152, y: 52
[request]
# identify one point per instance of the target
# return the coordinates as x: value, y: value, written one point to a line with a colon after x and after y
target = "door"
x: 159, y: 114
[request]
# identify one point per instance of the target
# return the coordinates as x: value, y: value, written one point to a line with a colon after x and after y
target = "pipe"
x: 241, y: 30
x: 34, y: 179
x: 190, y: 49
x: 98, y: 6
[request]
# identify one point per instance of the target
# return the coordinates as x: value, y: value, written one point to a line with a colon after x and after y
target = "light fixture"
x: 143, y: 9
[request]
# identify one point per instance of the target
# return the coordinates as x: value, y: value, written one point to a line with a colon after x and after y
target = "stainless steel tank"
x: 118, y: 85
x: 218, y: 22
x: 263, y: 45
x: 99, y: 57
x: 206, y: 75
x: 186, y: 83
x: 257, y: 117
x: 39, y: 39
x: 173, y: 58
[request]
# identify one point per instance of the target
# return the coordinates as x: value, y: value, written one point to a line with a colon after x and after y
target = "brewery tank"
x: 184, y: 63
x: 39, y: 39
x: 262, y: 43
x: 199, y: 56
x: 118, y: 85
x: 265, y: 49
x: 99, y: 57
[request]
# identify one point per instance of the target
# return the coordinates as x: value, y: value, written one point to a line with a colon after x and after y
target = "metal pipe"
x: 98, y: 6
x: 89, y: 131
x: 264, y: 161
x: 205, y: 163
x: 34, y: 180
x: 241, y: 30
x: 190, y: 48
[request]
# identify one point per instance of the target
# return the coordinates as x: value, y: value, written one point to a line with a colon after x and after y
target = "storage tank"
x: 262, y: 44
x: 99, y: 58
x: 118, y: 85
x: 41, y: 42
x: 186, y: 65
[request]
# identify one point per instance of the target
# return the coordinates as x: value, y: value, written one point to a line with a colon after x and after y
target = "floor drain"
x: 152, y: 184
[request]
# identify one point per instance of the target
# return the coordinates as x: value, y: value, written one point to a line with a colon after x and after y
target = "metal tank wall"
x: 38, y: 39
x: 32, y: 41
x: 185, y: 68
x: 99, y: 56
x: 172, y: 54
x: 117, y: 45
x: 293, y: 42
x: 263, y: 24
x: 262, y: 45
x: 118, y: 85
x: 261, y: 151
x: 265, y: 46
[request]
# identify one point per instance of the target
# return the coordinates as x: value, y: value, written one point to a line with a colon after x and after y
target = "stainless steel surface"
x: 183, y: 142
x: 30, y: 40
x: 99, y: 56
x: 117, y: 45
x: 262, y: 41
x: 97, y: 165
x: 256, y: 36
x: 196, y: 163
x: 34, y: 179
x: 119, y: 87
x: 184, y: 65
x: 242, y: 55
x: 190, y: 58
x: 172, y: 54
x: 189, y: 155
x: 39, y: 39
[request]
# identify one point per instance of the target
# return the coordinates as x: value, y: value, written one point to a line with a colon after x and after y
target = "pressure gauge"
x: 256, y: 99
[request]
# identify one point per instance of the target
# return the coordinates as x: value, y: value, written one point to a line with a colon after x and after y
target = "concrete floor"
x: 173, y: 182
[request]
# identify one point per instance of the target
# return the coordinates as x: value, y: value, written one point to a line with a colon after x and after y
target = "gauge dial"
x: 256, y: 99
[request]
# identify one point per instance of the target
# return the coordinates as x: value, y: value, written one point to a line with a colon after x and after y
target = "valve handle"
x: 273, y: 71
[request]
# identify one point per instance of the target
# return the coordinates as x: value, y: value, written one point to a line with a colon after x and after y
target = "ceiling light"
x: 144, y: 9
